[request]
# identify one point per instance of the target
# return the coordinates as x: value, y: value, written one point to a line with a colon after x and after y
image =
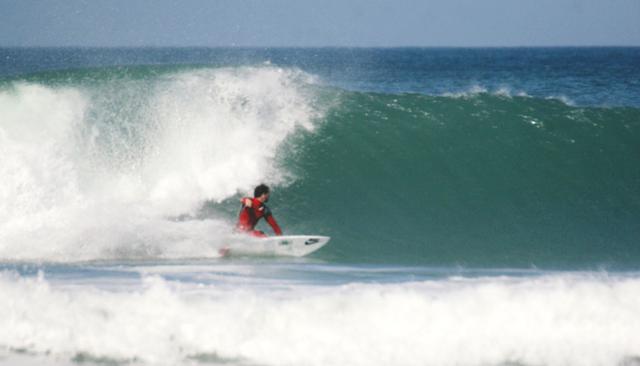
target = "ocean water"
x: 483, y: 204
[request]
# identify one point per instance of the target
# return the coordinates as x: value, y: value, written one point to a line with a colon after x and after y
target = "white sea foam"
x: 564, y: 99
x: 474, y: 90
x: 503, y: 91
x: 552, y: 320
x: 93, y: 172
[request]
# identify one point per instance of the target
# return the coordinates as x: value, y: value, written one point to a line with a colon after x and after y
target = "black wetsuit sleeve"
x: 272, y: 222
x: 252, y: 214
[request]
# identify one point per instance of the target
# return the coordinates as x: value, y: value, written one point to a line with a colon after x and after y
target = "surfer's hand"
x: 246, y: 201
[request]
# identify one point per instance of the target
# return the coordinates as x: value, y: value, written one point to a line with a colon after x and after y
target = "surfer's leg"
x: 258, y: 234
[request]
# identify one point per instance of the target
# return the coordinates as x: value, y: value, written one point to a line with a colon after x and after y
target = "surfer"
x: 253, y: 209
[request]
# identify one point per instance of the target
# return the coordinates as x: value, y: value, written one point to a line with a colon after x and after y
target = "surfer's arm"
x: 272, y: 222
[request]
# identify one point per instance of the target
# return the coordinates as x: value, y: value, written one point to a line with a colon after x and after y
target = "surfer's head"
x: 261, y: 192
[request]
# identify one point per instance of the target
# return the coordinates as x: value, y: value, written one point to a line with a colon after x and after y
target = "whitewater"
x: 237, y: 314
x: 115, y: 170
x: 483, y: 206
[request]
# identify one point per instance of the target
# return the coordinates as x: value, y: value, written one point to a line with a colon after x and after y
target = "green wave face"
x: 476, y: 180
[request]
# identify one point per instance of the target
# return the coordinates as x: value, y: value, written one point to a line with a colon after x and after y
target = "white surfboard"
x: 289, y: 245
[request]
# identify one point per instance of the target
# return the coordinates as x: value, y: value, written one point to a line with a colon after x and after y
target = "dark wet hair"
x: 260, y: 190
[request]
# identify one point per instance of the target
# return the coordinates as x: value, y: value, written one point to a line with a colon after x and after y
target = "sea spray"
x: 90, y: 174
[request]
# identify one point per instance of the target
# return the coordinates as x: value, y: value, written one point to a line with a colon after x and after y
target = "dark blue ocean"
x: 582, y: 76
x: 483, y: 205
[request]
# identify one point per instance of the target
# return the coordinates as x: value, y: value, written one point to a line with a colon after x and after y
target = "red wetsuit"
x: 249, y: 217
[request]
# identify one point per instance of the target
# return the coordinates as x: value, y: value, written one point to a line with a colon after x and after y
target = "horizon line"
x: 315, y: 47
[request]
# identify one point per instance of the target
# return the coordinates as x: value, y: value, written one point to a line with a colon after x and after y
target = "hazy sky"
x: 319, y: 22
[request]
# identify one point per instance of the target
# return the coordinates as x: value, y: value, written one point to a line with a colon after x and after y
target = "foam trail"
x: 552, y: 320
x: 93, y: 171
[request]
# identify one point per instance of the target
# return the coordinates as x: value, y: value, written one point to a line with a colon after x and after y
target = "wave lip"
x: 550, y: 320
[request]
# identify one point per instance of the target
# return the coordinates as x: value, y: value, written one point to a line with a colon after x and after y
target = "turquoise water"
x: 474, y: 197
x: 487, y: 180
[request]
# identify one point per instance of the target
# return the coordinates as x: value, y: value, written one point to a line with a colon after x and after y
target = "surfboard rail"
x: 285, y: 245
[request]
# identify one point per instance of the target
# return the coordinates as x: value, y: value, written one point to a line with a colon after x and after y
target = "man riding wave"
x: 253, y: 209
